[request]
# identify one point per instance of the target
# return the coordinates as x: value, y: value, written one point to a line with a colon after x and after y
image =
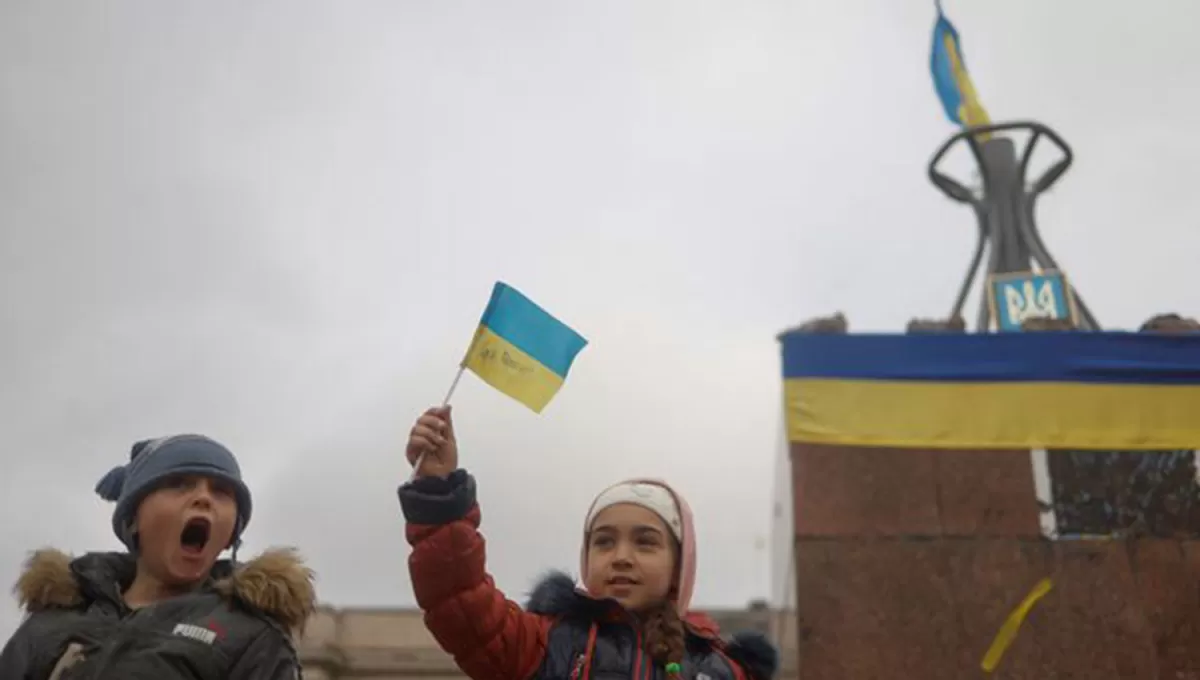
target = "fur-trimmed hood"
x: 276, y: 584
x: 557, y: 595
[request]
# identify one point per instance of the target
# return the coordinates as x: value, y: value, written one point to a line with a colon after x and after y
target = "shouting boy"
x: 167, y: 608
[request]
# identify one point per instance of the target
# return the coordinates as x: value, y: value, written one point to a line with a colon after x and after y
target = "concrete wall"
x: 783, y: 533
x: 908, y: 562
x: 387, y: 644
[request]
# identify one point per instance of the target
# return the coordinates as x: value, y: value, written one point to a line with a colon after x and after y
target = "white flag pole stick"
x: 454, y: 385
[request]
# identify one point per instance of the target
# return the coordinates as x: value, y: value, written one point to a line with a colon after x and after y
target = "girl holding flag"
x: 630, y: 618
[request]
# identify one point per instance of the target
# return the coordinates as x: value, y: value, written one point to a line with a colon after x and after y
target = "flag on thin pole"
x: 950, y: 76
x: 520, y: 349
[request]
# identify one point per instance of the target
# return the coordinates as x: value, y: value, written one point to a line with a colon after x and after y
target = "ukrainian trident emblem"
x: 1016, y: 297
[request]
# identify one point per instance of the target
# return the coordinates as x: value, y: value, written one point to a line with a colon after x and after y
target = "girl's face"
x: 631, y: 557
x: 182, y: 527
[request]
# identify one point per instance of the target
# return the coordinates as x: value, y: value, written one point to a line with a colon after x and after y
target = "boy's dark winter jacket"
x: 238, y: 626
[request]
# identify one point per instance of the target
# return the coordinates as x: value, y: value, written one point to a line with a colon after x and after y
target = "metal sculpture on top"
x: 1023, y: 280
x: 1106, y: 493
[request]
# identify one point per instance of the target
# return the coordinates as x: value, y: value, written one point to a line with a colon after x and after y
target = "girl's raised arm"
x: 489, y: 636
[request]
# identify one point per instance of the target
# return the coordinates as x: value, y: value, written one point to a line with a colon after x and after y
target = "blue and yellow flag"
x: 950, y: 77
x: 1068, y: 390
x: 521, y: 350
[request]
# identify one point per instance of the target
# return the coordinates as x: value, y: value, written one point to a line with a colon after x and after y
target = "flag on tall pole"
x: 520, y: 349
x: 950, y: 76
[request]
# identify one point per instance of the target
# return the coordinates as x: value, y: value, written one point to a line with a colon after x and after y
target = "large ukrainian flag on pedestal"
x: 1063, y: 390
x: 521, y: 350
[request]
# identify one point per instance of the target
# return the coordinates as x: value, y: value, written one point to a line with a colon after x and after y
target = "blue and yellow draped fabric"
x: 950, y: 76
x: 1009, y: 390
x: 521, y: 350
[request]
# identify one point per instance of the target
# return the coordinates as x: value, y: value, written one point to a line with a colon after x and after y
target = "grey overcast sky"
x: 276, y: 222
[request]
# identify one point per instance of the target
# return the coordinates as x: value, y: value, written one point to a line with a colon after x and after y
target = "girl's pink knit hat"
x: 658, y: 497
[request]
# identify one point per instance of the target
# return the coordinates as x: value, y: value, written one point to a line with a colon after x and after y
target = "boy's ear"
x: 131, y: 533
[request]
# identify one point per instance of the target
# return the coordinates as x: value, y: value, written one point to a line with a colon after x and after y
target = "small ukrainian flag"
x: 521, y: 350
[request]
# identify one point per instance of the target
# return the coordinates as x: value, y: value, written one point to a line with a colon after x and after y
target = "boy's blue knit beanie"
x: 153, y: 461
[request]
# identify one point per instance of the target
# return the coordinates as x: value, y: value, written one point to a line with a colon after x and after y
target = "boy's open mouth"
x: 195, y: 535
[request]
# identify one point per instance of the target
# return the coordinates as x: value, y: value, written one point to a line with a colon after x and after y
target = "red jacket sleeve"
x: 489, y: 636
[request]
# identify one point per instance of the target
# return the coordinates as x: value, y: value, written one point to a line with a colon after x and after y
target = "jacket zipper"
x: 577, y: 669
x: 583, y: 663
x: 637, y: 663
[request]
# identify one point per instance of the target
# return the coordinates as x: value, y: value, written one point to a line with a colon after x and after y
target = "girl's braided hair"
x: 664, y: 634
x: 663, y: 628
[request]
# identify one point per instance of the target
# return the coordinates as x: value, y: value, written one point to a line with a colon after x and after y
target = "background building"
x: 386, y: 644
